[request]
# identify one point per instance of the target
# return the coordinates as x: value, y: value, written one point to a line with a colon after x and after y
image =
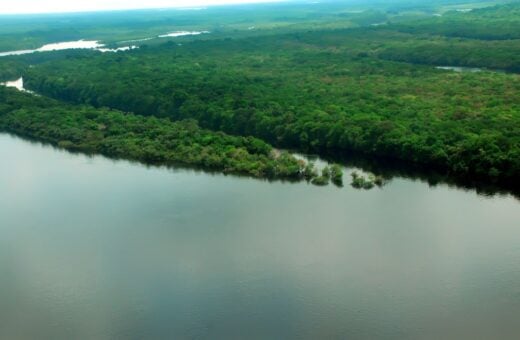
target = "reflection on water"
x: 95, y: 45
x: 388, y: 169
x: 459, y: 69
x: 182, y: 34
x: 18, y: 84
x: 462, y: 69
x: 167, y: 35
x: 92, y: 248
x: 80, y: 44
x: 88, y: 44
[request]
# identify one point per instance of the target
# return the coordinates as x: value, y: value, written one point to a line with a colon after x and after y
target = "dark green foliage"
x: 366, y: 182
x: 325, y: 172
x: 320, y: 180
x: 150, y: 140
x: 324, y: 178
x: 10, y: 69
x: 378, y: 180
x: 336, y: 174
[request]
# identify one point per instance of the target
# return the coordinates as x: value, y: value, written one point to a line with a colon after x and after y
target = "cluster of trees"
x: 146, y: 139
x: 332, y: 173
x: 367, y: 182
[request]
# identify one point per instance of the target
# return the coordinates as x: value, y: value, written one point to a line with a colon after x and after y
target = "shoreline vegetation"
x: 84, y: 129
x: 148, y: 140
x: 366, y: 182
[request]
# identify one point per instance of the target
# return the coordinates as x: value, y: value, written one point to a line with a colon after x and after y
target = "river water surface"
x: 70, y: 45
x: 92, y: 248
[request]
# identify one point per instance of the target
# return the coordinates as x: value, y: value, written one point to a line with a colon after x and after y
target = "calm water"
x: 17, y: 84
x: 69, y: 45
x: 459, y: 69
x: 92, y: 248
x: 182, y: 34
x: 95, y: 45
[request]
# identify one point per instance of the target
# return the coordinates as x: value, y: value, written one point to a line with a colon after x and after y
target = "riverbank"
x: 146, y: 139
x: 118, y: 135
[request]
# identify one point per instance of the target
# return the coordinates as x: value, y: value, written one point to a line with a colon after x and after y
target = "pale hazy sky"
x: 46, y: 6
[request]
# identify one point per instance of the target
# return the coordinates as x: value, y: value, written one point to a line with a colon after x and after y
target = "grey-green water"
x: 92, y: 248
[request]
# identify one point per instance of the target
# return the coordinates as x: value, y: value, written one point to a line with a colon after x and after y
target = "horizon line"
x: 159, y: 8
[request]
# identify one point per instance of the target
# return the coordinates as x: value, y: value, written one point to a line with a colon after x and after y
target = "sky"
x: 50, y: 6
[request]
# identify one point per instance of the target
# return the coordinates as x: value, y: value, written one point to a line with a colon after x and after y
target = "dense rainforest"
x: 371, y: 89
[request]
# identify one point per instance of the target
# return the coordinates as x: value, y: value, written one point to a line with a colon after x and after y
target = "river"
x: 96, y: 45
x: 93, y: 248
x: 69, y: 45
